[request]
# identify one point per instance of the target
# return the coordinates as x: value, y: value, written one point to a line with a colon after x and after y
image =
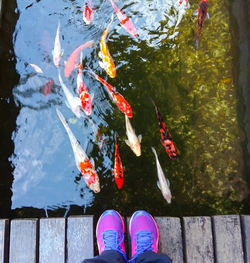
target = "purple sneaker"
x: 110, y: 232
x: 144, y: 234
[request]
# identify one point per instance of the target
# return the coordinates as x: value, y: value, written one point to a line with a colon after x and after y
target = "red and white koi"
x: 163, y: 183
x: 133, y: 141
x: 70, y: 65
x: 125, y: 22
x: 83, y: 163
x: 87, y: 15
x: 118, y: 99
x: 85, y: 97
x: 57, y: 52
x: 107, y: 62
x: 74, y: 103
x: 118, y: 170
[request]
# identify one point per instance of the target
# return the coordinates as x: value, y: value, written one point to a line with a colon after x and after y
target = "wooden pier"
x: 219, y: 239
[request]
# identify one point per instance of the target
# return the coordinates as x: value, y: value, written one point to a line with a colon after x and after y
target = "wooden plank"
x: 23, y: 237
x: 80, y: 243
x: 170, y: 242
x: 198, y: 240
x: 227, y: 239
x: 4, y: 234
x: 52, y: 240
x: 246, y: 236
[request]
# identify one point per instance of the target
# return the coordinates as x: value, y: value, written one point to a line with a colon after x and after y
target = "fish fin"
x: 168, y: 182
x: 100, y: 55
x: 92, y: 161
x: 188, y: 6
x: 101, y: 64
x: 67, y: 104
x: 140, y: 138
x: 207, y: 16
x: 52, y: 51
x: 127, y: 142
x: 195, y: 13
x: 158, y: 184
x: 73, y: 120
x: 62, y: 51
x: 92, y: 95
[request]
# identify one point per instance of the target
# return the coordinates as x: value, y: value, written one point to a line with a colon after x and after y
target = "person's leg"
x: 110, y: 239
x: 144, y: 237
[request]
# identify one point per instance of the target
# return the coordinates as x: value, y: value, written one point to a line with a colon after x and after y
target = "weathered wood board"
x: 170, y: 242
x: 4, y: 234
x: 52, y: 240
x: 246, y: 236
x: 23, y: 241
x: 198, y: 240
x: 228, y: 239
x: 80, y: 243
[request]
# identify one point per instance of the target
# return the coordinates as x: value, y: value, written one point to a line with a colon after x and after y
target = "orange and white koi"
x: 166, y: 138
x: 107, y: 63
x: 133, y: 141
x: 74, y: 103
x: 72, y: 60
x: 163, y: 183
x: 85, y: 97
x: 118, y: 170
x: 57, y: 52
x: 84, y: 165
x: 119, y: 100
x: 126, y: 23
x: 87, y: 15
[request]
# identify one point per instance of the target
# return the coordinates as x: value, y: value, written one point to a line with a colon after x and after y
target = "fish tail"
x: 91, y: 72
x: 196, y: 43
x: 154, y: 151
x: 59, y: 114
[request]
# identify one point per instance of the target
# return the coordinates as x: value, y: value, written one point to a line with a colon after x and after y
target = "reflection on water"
x: 194, y: 90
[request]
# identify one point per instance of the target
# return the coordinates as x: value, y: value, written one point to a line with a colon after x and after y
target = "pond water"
x: 195, y: 91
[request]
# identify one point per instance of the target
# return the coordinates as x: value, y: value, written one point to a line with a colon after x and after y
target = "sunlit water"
x: 194, y: 90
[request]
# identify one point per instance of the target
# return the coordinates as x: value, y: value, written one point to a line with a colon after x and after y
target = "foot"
x: 144, y: 234
x: 110, y: 232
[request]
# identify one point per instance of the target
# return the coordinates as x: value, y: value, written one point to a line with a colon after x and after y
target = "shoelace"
x: 111, y: 240
x: 144, y: 241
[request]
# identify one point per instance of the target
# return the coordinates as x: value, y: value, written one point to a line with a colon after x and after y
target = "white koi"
x: 84, y: 165
x: 36, y: 68
x: 163, y: 183
x: 133, y: 141
x: 74, y: 103
x: 57, y: 52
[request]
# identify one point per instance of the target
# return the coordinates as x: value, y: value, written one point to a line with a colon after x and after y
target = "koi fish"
x: 118, y: 170
x: 163, y: 183
x: 126, y: 23
x: 166, y: 138
x: 181, y: 6
x: 202, y: 14
x: 84, y: 165
x: 57, y: 52
x: 36, y: 68
x: 85, y: 98
x: 74, y: 103
x: 133, y: 141
x: 71, y: 62
x: 48, y: 87
x: 118, y: 99
x: 87, y: 12
x: 107, y: 63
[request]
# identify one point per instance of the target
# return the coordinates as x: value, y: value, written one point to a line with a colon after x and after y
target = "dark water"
x: 196, y: 91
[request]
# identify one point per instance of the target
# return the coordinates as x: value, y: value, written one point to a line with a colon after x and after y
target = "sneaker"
x: 110, y: 232
x: 144, y: 234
